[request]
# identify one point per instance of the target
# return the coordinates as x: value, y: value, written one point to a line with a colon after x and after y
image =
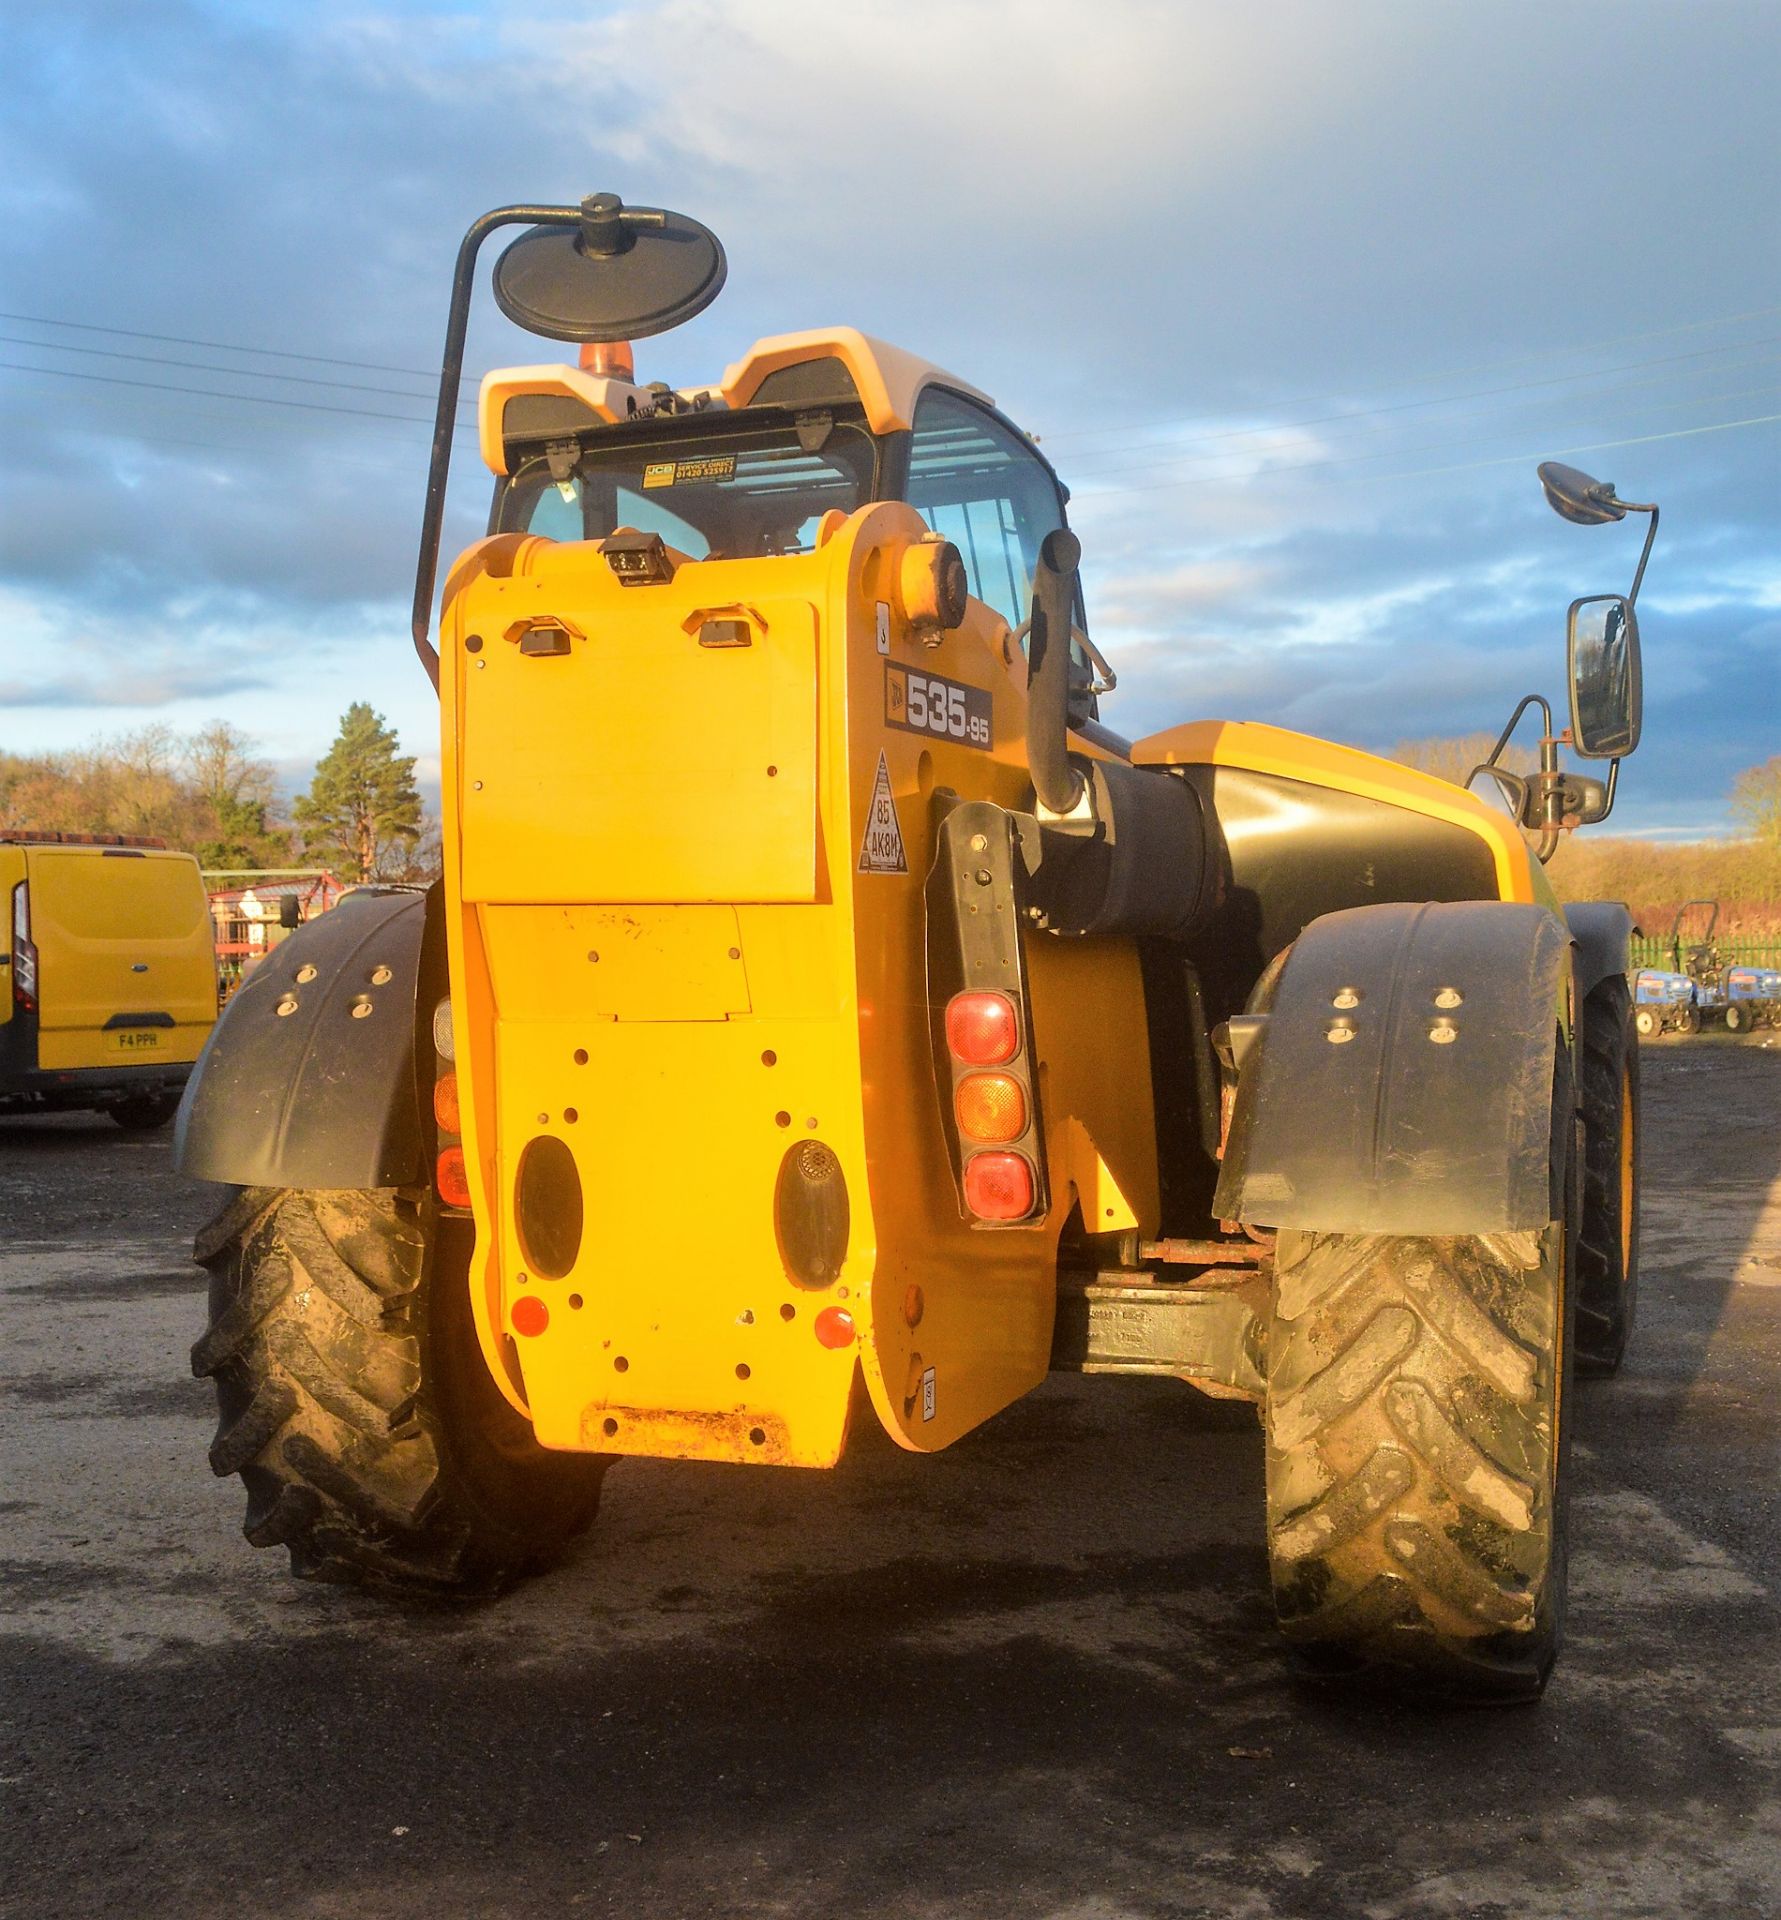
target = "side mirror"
x: 1607, y: 693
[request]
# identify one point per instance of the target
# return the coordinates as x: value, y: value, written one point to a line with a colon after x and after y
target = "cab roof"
x: 824, y: 366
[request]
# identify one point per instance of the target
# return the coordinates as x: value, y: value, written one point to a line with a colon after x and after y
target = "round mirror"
x: 621, y: 273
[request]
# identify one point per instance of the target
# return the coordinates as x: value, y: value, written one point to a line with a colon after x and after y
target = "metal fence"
x: 1657, y: 950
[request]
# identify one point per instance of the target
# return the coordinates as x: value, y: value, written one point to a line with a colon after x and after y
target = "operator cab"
x: 804, y: 425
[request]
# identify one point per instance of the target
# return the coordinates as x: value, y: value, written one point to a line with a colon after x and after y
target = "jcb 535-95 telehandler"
x: 820, y: 996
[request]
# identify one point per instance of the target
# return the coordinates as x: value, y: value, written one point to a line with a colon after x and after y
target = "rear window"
x: 727, y: 488
x: 114, y: 896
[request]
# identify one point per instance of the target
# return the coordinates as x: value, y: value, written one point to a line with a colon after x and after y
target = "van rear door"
x: 126, y: 962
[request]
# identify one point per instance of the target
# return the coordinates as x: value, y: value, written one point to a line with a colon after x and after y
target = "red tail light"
x: 452, y: 1178
x: 991, y: 1107
x: 982, y: 1029
x: 999, y: 1186
x: 445, y: 1103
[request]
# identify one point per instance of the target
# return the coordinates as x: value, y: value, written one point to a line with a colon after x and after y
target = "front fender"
x: 309, y: 1078
x: 1396, y: 1129
x: 1603, y: 931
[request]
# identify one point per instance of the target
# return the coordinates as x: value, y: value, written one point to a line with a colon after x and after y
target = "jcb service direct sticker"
x: 931, y: 704
x: 677, y: 473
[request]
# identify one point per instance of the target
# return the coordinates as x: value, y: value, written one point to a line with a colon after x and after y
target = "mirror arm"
x: 1531, y: 700
x: 1650, y: 536
x: 1608, y: 801
x: 426, y: 573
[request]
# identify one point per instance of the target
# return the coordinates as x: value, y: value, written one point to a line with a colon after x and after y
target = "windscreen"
x: 725, y: 489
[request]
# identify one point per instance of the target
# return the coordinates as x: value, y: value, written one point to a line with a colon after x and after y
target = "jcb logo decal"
x: 929, y: 703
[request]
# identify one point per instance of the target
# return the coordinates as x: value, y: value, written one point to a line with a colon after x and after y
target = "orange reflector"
x: 999, y: 1186
x: 834, y: 1327
x: 612, y: 359
x: 445, y: 1103
x: 982, y: 1028
x: 530, y: 1315
x: 453, y: 1181
x: 991, y: 1106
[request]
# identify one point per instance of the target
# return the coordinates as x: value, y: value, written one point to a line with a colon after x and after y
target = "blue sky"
x: 1295, y: 296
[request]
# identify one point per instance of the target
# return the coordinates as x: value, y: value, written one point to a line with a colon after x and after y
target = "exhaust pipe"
x: 1057, y: 783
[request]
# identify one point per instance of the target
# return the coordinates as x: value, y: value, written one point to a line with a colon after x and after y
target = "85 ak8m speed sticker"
x: 942, y: 709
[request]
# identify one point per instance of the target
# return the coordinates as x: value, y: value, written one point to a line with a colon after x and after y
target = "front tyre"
x: 1646, y: 1023
x: 1416, y: 1453
x: 355, y: 1404
x: 1736, y: 1019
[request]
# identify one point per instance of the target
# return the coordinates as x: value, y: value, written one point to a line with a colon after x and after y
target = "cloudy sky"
x: 1295, y: 295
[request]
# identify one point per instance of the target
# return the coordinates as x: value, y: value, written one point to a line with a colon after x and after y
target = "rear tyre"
x: 1646, y: 1022
x: 356, y: 1406
x: 145, y: 1112
x: 1416, y: 1452
x: 1608, y: 1243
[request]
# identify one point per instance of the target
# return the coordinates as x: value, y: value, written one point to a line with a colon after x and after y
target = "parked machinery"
x: 823, y: 1010
x: 1664, y: 1003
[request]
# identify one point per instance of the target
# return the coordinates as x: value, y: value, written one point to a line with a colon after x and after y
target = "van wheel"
x: 355, y: 1404
x: 1608, y: 1244
x: 145, y: 1111
x: 1417, y: 1442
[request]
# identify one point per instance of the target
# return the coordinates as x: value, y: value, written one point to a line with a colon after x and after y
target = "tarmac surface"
x: 1037, y: 1675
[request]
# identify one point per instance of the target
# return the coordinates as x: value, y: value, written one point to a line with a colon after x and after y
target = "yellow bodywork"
x: 668, y: 953
x: 693, y: 816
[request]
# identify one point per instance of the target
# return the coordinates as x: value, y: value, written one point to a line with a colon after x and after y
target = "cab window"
x: 715, y: 488
x: 983, y: 488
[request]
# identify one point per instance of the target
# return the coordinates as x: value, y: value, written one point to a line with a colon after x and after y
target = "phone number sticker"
x: 929, y: 703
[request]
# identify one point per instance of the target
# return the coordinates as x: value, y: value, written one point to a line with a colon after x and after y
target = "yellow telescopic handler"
x: 823, y: 1013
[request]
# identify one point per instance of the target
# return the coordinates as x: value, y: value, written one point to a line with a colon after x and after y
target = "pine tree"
x: 362, y: 811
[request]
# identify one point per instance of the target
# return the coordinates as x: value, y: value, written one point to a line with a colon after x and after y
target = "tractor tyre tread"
x: 372, y: 1444
x: 1607, y: 1260
x: 1410, y: 1454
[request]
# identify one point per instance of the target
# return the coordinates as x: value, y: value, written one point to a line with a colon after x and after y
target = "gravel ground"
x: 1034, y: 1676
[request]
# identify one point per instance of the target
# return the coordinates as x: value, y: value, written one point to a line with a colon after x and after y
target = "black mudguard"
x: 299, y: 1088
x: 1603, y: 931
x: 1393, y: 1130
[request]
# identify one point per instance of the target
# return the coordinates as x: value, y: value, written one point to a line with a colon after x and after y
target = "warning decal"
x: 881, y: 851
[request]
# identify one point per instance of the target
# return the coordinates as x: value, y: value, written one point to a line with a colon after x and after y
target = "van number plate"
x: 135, y: 1040
x: 931, y: 704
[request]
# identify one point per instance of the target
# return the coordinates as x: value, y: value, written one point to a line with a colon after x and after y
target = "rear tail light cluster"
x: 450, y: 1175
x: 993, y: 1111
x: 24, y: 953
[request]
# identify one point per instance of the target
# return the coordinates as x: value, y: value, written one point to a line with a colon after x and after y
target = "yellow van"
x: 107, y: 975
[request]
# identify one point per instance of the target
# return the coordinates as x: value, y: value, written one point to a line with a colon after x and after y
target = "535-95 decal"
x: 930, y: 704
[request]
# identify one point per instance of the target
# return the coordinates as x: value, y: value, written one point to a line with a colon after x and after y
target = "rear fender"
x: 1434, y: 1114
x: 309, y: 1077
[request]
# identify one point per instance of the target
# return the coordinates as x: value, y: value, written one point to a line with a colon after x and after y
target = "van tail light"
x: 24, y: 953
x: 985, y: 1057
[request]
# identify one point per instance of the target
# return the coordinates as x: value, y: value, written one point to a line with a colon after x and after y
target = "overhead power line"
x: 1442, y: 400
x: 1464, y: 466
x: 210, y: 366
x: 219, y: 346
x: 211, y: 393
x: 1101, y: 430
